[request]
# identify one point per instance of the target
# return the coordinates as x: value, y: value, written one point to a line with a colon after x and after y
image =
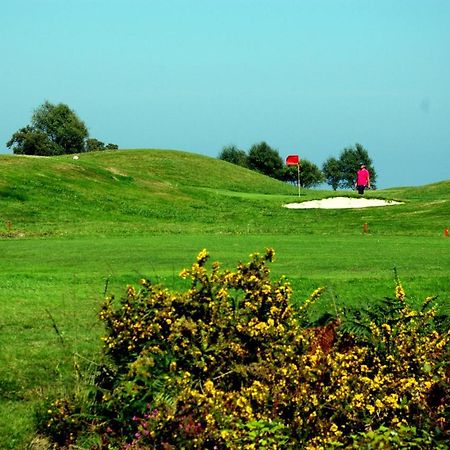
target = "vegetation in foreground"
x: 230, y: 363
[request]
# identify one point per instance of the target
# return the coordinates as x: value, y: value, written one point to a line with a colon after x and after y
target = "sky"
x: 309, y: 77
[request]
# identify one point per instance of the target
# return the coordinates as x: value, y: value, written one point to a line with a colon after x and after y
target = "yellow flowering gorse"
x: 230, y: 363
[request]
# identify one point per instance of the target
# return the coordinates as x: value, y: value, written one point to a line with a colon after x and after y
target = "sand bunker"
x: 342, y: 203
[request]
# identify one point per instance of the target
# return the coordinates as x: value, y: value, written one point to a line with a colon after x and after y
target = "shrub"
x: 230, y: 363
x: 59, y: 419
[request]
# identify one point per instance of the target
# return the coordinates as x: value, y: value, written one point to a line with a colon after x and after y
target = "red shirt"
x: 362, y: 178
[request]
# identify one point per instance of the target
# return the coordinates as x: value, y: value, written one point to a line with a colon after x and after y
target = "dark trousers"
x: 360, y: 188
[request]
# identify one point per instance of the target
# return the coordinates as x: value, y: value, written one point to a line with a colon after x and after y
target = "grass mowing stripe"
x: 81, y: 262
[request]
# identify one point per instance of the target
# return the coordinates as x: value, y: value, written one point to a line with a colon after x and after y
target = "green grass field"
x: 69, y: 229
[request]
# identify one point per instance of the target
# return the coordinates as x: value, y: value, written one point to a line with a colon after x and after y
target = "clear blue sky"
x: 309, y: 77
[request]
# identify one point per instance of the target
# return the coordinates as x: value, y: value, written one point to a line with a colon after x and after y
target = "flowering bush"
x: 230, y: 363
x: 60, y: 421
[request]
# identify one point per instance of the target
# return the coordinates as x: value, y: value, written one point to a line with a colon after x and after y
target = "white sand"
x: 342, y: 203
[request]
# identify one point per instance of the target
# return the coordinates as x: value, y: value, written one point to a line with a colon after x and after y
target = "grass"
x: 131, y: 192
x: 66, y: 227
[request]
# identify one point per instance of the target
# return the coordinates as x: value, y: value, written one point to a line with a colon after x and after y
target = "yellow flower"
x: 399, y: 292
x: 209, y: 386
x: 184, y: 273
x: 202, y: 256
x: 392, y: 400
x: 224, y: 434
x: 241, y: 402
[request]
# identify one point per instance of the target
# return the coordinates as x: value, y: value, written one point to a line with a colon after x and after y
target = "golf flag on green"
x: 292, y: 160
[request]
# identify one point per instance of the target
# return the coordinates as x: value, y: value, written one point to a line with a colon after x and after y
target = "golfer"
x: 362, y: 180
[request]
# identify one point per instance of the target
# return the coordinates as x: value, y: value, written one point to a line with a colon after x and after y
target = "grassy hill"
x: 159, y: 191
x: 126, y: 191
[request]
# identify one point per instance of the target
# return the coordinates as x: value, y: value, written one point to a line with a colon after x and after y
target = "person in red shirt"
x: 362, y: 180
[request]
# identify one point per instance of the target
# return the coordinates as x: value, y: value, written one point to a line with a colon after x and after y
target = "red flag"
x: 292, y: 160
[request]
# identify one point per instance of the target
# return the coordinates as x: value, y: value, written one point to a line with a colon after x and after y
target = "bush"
x: 230, y: 363
x: 59, y: 420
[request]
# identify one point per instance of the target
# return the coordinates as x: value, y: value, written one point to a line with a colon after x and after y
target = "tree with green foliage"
x: 234, y: 155
x: 29, y: 141
x: 351, y: 159
x: 54, y: 130
x: 94, y: 145
x: 332, y: 172
x: 310, y: 174
x: 266, y: 160
x: 342, y: 172
x: 62, y: 126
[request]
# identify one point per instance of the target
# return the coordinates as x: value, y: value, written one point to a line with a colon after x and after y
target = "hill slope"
x: 162, y: 191
x: 119, y: 190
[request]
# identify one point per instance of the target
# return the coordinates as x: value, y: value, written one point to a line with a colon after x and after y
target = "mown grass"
x: 69, y: 228
x: 132, y: 192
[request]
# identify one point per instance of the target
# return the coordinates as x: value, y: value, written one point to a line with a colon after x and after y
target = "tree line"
x: 55, y: 130
x: 337, y: 172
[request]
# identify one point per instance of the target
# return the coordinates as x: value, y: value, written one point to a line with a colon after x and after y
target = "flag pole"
x: 294, y: 160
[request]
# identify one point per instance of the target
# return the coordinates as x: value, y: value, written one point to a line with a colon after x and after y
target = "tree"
x: 351, y: 159
x: 94, y: 145
x: 266, y: 160
x: 342, y: 172
x: 62, y: 126
x: 54, y: 130
x: 332, y: 172
x: 310, y: 174
x: 28, y: 141
x: 234, y: 155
